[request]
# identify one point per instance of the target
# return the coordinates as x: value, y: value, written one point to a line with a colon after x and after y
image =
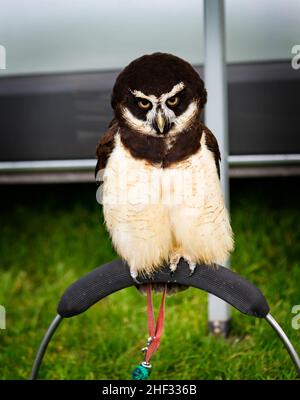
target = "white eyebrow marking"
x: 177, y: 88
x: 138, y: 93
x: 151, y: 97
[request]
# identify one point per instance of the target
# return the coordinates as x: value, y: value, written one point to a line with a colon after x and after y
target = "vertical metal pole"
x: 216, y: 120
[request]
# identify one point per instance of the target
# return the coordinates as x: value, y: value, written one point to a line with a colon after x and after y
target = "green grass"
x: 52, y: 235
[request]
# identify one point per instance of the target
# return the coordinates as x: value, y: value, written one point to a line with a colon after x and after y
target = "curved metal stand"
x: 217, y: 280
x: 288, y: 345
x: 43, y: 346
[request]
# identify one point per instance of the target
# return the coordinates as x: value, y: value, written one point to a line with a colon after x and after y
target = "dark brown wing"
x: 104, y: 148
x: 212, y: 145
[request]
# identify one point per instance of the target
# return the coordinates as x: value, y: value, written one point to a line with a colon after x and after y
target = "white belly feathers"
x: 152, y: 212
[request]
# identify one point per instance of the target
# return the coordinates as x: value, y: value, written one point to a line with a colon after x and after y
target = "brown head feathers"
x: 156, y: 74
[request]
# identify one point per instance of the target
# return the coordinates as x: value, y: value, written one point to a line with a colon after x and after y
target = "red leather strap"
x: 155, y: 331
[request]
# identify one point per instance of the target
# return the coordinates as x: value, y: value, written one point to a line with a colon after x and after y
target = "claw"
x: 172, y: 269
x: 174, y: 260
x: 134, y: 277
x: 192, y: 267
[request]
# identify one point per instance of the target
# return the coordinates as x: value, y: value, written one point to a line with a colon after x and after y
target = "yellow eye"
x: 144, y: 104
x: 173, y: 101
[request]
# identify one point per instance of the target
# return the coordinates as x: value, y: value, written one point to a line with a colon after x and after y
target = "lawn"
x: 52, y: 235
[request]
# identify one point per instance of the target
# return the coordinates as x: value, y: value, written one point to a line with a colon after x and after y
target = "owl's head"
x: 158, y: 95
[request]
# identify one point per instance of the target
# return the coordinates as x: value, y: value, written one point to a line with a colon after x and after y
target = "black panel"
x: 53, y: 125
x: 264, y: 117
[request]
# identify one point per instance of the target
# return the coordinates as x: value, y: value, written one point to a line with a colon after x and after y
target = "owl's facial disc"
x: 168, y: 113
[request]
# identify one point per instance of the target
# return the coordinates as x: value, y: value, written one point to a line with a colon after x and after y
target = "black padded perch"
x: 114, y: 276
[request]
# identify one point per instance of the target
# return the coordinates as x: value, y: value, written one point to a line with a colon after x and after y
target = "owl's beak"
x: 160, y: 122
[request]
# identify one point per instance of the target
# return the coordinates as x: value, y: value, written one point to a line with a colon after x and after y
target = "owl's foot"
x: 173, y: 261
x: 191, y: 263
x: 175, y: 258
x: 192, y: 267
x: 134, y: 275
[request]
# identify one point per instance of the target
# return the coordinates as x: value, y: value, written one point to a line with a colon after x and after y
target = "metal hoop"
x: 219, y: 281
x: 57, y: 320
x: 288, y: 345
x: 43, y: 346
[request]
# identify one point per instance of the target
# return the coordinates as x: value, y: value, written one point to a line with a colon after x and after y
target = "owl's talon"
x: 134, y: 277
x: 173, y: 268
x: 173, y: 262
x: 192, y: 267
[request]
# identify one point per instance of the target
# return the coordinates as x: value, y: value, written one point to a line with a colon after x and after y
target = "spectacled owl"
x: 158, y: 165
